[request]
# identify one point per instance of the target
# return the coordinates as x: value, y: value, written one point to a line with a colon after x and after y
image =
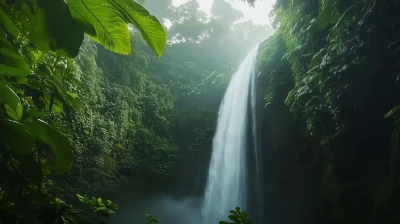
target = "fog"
x: 167, y: 209
x: 258, y: 13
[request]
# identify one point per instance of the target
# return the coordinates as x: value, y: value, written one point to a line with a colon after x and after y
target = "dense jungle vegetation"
x: 105, y: 101
x: 329, y: 76
x: 77, y: 119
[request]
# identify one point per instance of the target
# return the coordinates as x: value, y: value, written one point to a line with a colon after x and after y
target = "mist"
x: 168, y: 209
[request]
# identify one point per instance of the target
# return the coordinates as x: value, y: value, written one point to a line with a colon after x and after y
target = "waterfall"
x: 255, y: 166
x: 226, y: 185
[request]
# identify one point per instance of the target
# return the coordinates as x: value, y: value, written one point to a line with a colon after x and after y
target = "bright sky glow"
x: 258, y: 14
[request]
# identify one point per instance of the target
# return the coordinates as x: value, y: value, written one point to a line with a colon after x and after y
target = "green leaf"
x: 102, y: 23
x: 17, y: 136
x: 102, y: 208
x: 57, y: 107
x: 151, y: 219
x: 64, y: 33
x: 12, y: 102
x: 58, y: 201
x: 30, y: 168
x: 105, y: 21
x: 59, y: 144
x: 11, y: 62
x: 80, y: 197
x: 148, y: 25
x: 48, y: 24
x: 393, y: 111
x: 31, y: 113
x: 10, y: 54
x: 72, y: 100
x: 45, y: 171
x: 7, y: 24
x: 12, y: 71
x: 14, y: 113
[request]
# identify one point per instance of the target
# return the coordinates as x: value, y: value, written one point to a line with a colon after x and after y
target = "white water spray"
x: 226, y: 185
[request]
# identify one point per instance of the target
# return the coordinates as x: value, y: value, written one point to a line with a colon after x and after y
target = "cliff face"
x: 293, y: 161
x: 329, y: 153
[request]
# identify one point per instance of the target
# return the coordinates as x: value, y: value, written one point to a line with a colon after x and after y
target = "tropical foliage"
x: 101, y: 120
x: 330, y: 73
x: 60, y: 25
x: 38, y: 86
x: 237, y: 217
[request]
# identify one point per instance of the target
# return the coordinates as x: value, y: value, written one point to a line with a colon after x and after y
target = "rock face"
x: 329, y: 153
x: 293, y: 161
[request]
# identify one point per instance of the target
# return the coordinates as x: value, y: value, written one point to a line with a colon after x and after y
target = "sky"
x: 258, y: 14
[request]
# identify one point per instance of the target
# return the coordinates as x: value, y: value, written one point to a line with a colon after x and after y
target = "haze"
x: 258, y: 14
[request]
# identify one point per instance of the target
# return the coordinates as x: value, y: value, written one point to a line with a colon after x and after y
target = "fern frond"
x: 290, y: 97
x: 392, y: 111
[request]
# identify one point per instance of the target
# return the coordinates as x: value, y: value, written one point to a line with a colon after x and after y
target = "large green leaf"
x: 103, y: 23
x: 48, y: 24
x: 7, y: 24
x: 12, y: 102
x: 148, y: 25
x: 64, y: 32
x: 17, y: 136
x: 29, y: 167
x: 11, y: 62
x: 14, y: 113
x: 106, y: 22
x: 58, y: 143
x: 12, y: 71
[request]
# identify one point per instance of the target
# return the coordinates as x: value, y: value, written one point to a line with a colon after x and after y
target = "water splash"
x: 226, y: 185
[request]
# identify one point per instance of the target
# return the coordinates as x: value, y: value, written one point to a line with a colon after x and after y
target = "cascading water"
x: 255, y: 156
x: 226, y: 185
